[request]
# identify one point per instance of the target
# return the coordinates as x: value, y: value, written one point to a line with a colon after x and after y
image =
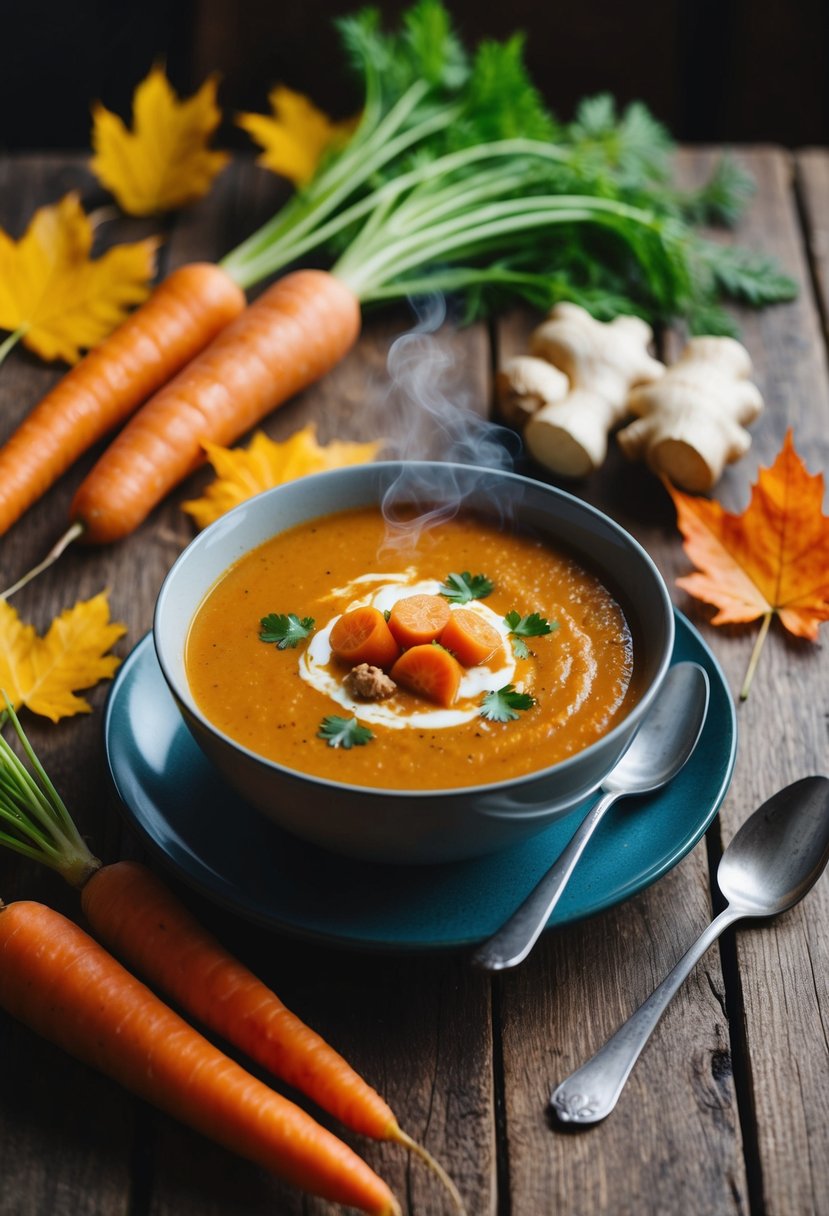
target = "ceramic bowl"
x: 431, y: 825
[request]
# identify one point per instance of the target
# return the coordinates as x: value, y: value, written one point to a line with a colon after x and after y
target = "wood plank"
x: 812, y: 178
x: 66, y: 1134
x: 783, y: 968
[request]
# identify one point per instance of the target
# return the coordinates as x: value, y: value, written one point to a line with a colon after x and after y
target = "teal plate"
x: 235, y: 856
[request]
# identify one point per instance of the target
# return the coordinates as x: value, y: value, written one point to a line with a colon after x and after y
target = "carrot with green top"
x: 65, y: 986
x: 141, y: 920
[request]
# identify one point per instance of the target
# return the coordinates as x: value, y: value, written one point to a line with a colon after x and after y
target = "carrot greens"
x: 458, y: 179
x: 34, y: 820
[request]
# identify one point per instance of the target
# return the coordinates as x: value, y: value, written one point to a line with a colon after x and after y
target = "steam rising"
x: 431, y: 415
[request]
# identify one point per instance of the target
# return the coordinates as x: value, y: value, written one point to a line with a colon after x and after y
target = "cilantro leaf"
x: 502, y: 704
x: 344, y: 732
x: 285, y: 631
x: 461, y: 588
x: 532, y: 626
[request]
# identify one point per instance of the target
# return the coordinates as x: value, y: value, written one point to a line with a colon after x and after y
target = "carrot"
x: 471, y: 639
x: 362, y: 636
x: 430, y: 671
x: 418, y: 619
x: 295, y: 332
x: 143, y: 922
x: 184, y: 313
x: 61, y: 983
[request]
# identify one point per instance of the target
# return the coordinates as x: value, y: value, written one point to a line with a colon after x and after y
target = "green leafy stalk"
x: 461, y: 588
x: 34, y: 821
x: 344, y: 732
x: 458, y: 179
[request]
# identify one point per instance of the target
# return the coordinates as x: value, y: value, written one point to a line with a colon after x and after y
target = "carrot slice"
x: 430, y: 671
x: 471, y: 639
x: 418, y: 619
x: 362, y: 636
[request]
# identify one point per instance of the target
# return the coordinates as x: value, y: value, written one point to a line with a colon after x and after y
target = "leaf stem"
x: 9, y: 343
x: 755, y: 655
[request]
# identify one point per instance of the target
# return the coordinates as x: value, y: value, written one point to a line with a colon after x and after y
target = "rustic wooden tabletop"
x: 728, y: 1109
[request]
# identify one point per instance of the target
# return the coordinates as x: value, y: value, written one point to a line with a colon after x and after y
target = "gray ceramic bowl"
x: 431, y: 825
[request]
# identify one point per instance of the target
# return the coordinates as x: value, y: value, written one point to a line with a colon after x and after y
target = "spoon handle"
x: 590, y: 1093
x: 516, y: 938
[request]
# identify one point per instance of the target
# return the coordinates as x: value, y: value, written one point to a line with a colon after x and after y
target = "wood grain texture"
x: 467, y: 1062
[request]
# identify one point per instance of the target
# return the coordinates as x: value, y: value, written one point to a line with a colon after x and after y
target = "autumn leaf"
x: 296, y: 136
x: 44, y: 673
x: 243, y: 472
x: 771, y: 560
x: 56, y: 298
x: 164, y: 162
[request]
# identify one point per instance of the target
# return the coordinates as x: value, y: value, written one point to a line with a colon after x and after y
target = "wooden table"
x: 728, y: 1110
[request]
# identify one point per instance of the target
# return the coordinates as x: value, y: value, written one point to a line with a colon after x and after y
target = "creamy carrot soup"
x: 537, y: 660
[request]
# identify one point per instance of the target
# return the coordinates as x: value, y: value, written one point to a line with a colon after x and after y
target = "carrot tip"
x: 420, y: 1151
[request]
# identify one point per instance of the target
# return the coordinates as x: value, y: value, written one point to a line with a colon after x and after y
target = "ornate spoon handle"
x: 590, y: 1093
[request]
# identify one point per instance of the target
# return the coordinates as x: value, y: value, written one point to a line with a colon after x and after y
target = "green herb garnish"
x: 285, y: 630
x: 502, y: 704
x: 532, y: 626
x: 461, y: 588
x: 344, y: 732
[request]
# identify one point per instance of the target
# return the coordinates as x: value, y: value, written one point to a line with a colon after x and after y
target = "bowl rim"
x: 187, y: 701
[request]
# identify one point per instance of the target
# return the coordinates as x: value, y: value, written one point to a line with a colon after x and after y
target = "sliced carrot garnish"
x: 471, y: 639
x: 418, y: 619
x: 362, y: 636
x: 430, y: 671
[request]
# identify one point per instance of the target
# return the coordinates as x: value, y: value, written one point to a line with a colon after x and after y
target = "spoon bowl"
x: 779, y: 852
x: 774, y: 859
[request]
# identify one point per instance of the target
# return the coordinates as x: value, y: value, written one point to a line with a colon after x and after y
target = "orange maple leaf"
x: 771, y: 560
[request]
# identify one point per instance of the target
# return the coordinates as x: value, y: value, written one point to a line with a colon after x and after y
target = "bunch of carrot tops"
x: 456, y: 179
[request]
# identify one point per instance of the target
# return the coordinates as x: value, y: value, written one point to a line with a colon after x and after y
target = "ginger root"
x: 602, y: 361
x: 690, y: 423
x: 525, y: 384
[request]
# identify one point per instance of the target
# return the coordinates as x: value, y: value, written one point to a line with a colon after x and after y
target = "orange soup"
x: 540, y: 664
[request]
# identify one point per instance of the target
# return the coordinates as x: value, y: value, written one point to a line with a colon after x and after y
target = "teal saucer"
x: 235, y: 856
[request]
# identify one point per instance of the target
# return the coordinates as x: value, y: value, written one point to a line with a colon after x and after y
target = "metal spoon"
x: 666, y: 738
x: 775, y: 858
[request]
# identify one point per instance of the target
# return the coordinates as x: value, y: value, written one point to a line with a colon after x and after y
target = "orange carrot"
x: 142, y: 922
x: 471, y: 639
x: 184, y: 314
x: 362, y: 636
x: 62, y: 984
x: 418, y: 619
x: 295, y: 332
x: 430, y: 671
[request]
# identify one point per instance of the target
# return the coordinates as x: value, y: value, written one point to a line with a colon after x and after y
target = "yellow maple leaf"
x: 265, y: 463
x: 44, y: 673
x: 54, y: 297
x: 164, y: 162
x: 296, y: 136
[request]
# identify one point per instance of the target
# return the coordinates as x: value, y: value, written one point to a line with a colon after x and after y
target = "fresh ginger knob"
x: 692, y: 422
x: 602, y: 361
